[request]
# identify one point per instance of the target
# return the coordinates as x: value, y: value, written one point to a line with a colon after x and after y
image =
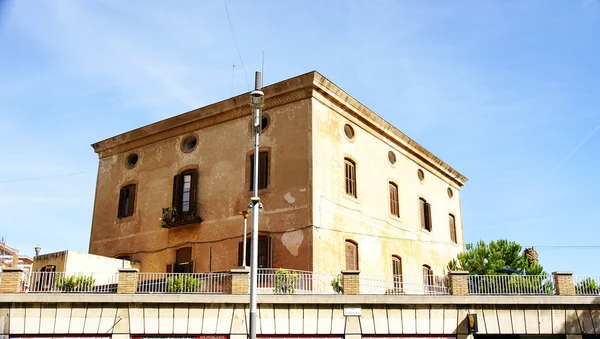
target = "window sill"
x: 351, y: 198
x: 129, y: 218
x: 425, y: 231
x: 396, y: 218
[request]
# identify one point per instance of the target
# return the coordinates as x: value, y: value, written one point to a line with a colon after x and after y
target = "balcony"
x: 171, y: 217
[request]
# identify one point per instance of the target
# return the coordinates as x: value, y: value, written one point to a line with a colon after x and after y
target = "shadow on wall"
x: 583, y: 319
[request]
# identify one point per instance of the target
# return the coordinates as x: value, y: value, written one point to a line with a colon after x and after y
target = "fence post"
x: 127, y: 280
x: 459, y: 283
x: 238, y: 281
x: 563, y: 282
x: 351, y: 282
x: 11, y: 280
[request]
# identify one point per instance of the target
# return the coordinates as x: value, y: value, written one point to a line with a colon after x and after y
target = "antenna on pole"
x: 232, y: 79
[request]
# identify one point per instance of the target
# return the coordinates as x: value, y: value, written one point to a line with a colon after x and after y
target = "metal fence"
x: 511, y: 284
x: 182, y: 282
x: 586, y: 285
x: 61, y: 282
x: 405, y: 284
x: 287, y: 281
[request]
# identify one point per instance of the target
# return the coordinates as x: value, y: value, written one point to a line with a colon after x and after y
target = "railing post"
x: 563, y: 282
x: 459, y: 283
x: 351, y: 282
x: 11, y: 280
x: 238, y: 281
x: 128, y: 278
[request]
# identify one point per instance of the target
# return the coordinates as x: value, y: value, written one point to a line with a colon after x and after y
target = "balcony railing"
x: 287, y: 281
x: 587, y: 285
x: 405, y: 284
x: 171, y: 217
x: 511, y: 285
x: 60, y: 282
x: 209, y: 283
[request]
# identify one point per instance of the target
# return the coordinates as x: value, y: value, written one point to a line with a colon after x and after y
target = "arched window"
x: 425, y: 213
x: 452, y: 222
x: 428, y: 278
x: 397, y: 272
x: 394, y: 204
x: 351, y: 255
x: 350, y: 173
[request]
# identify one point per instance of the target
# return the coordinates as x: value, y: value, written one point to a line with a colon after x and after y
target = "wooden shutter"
x: 121, y: 203
x: 191, y: 266
x: 428, y: 216
x: 169, y: 268
x: 350, y: 174
x: 394, y: 208
x: 252, y: 172
x: 452, y: 223
x: 263, y: 170
x: 241, y: 254
x: 193, y: 192
x: 131, y: 199
x: 422, y: 213
x: 351, y: 256
x: 177, y: 191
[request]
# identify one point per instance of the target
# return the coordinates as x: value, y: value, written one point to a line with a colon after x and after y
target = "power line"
x: 46, y: 177
x: 236, y: 44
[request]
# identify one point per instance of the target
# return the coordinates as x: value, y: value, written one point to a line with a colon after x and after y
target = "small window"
x: 264, y: 122
x: 263, y: 170
x: 427, y: 277
x: 392, y: 157
x: 425, y: 214
x: 189, y: 144
x: 350, y: 173
x: 185, y: 192
x: 394, y: 205
x: 183, y: 261
x: 452, y: 222
x: 126, y: 201
x: 397, y: 272
x: 351, y: 255
x: 349, y: 131
x: 450, y: 193
x: 421, y: 175
x: 132, y: 160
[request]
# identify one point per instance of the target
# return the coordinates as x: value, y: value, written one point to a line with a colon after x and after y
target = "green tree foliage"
x: 285, y: 281
x: 184, y: 284
x: 587, y: 286
x: 487, y: 259
x: 75, y: 283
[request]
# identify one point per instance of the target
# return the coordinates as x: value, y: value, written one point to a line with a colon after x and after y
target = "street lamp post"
x: 256, y: 101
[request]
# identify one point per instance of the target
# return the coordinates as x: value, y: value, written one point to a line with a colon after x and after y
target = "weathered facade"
x: 315, y: 207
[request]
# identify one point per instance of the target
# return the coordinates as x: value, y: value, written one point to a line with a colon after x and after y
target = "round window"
x: 132, y: 160
x: 189, y: 144
x: 392, y: 157
x: 450, y: 193
x: 349, y: 131
x: 421, y: 174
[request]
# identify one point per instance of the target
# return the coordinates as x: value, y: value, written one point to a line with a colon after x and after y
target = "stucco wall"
x: 367, y: 219
x: 222, y: 158
x: 77, y: 262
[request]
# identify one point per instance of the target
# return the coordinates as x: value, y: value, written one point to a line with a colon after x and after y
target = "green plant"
x: 336, y: 284
x: 75, y: 283
x: 285, y: 281
x: 169, y: 215
x: 394, y: 291
x: 587, y: 286
x: 184, y: 283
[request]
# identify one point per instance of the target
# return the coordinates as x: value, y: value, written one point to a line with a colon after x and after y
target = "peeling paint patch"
x: 292, y: 241
x: 288, y: 197
x: 302, y: 190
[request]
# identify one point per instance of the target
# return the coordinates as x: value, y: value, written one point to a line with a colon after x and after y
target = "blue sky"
x: 506, y: 92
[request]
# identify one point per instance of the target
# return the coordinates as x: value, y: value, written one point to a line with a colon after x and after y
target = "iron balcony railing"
x: 172, y: 217
x: 511, y: 285
x: 209, y: 283
x: 589, y: 285
x: 288, y: 281
x: 405, y: 284
x: 61, y: 282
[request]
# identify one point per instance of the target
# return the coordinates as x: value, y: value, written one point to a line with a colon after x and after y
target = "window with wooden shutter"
x: 126, y: 201
x: 350, y: 177
x: 263, y: 170
x: 185, y: 191
x: 428, y: 278
x: 183, y: 260
x: 394, y: 205
x: 452, y: 222
x: 397, y: 272
x: 425, y: 214
x: 351, y: 256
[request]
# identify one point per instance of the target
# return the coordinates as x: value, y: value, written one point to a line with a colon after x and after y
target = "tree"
x: 488, y: 259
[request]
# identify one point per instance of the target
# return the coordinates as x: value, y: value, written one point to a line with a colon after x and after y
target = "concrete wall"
x: 367, y: 219
x: 222, y: 159
x: 364, y: 316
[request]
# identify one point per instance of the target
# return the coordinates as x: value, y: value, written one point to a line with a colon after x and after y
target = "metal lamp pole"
x: 245, y: 214
x: 257, y: 98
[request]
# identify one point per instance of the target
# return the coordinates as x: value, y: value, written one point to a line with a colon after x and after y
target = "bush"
x: 184, y: 283
x: 75, y: 283
x: 587, y: 286
x: 336, y: 284
x: 285, y: 282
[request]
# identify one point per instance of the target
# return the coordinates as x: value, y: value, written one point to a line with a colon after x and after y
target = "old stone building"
x: 341, y: 189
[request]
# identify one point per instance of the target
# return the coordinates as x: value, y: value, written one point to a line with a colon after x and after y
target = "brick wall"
x: 351, y: 282
x: 459, y: 283
x: 11, y: 280
x: 128, y: 278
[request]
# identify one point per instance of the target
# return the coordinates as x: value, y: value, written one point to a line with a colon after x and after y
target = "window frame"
x: 350, y: 177
x: 263, y: 170
x: 428, y: 278
x: 394, y: 199
x: 452, y: 226
x: 397, y: 272
x: 181, y: 265
x: 425, y: 214
x: 354, y: 245
x: 126, y: 204
x: 179, y: 192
